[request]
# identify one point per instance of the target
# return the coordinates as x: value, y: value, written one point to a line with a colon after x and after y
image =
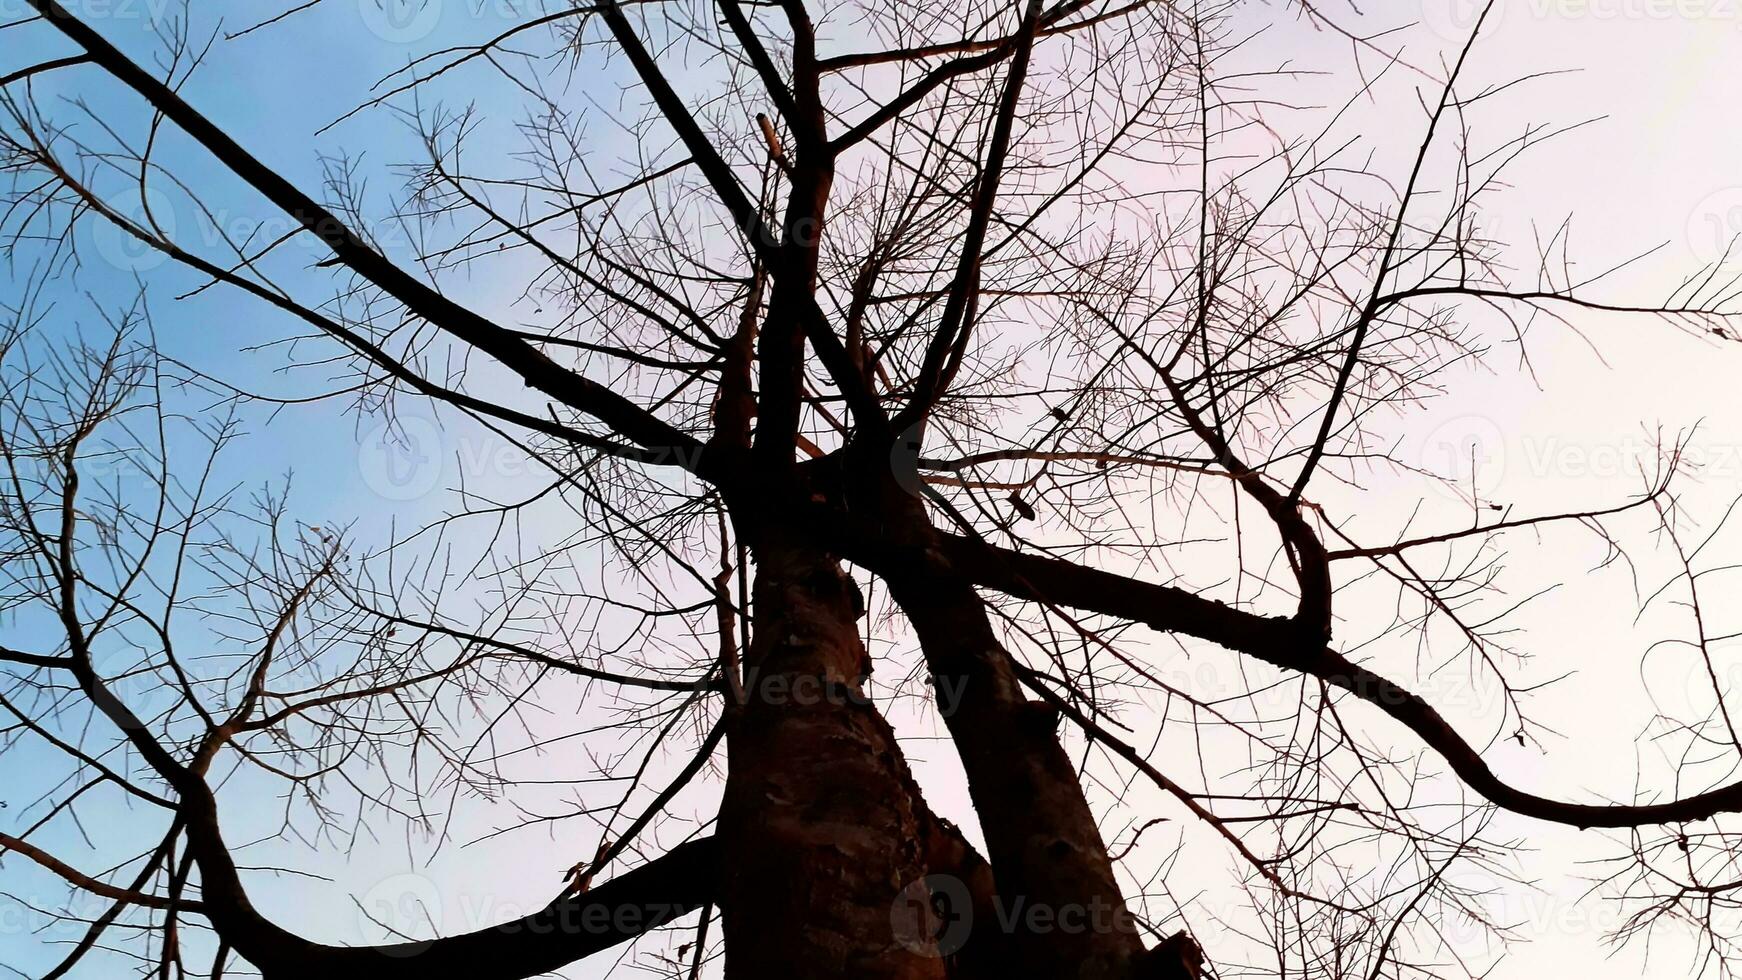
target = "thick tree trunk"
x: 1059, y: 907
x: 1058, y: 899
x: 820, y: 824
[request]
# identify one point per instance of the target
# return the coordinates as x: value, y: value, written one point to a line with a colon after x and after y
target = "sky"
x: 1660, y: 166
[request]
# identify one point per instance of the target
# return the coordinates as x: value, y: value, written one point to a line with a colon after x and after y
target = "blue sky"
x: 1664, y: 167
x: 275, y: 88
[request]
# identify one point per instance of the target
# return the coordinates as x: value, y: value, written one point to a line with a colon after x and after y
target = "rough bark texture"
x: 819, y: 819
x: 1058, y: 910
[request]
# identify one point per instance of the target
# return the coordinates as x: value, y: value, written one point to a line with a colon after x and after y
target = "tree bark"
x: 1058, y: 898
x: 825, y: 867
x: 1059, y: 911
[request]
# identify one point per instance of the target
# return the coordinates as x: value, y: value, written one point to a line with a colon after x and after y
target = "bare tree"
x: 999, y: 339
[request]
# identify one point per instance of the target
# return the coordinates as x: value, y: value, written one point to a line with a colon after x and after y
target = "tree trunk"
x: 821, y: 825
x: 1058, y: 899
x: 1059, y: 907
